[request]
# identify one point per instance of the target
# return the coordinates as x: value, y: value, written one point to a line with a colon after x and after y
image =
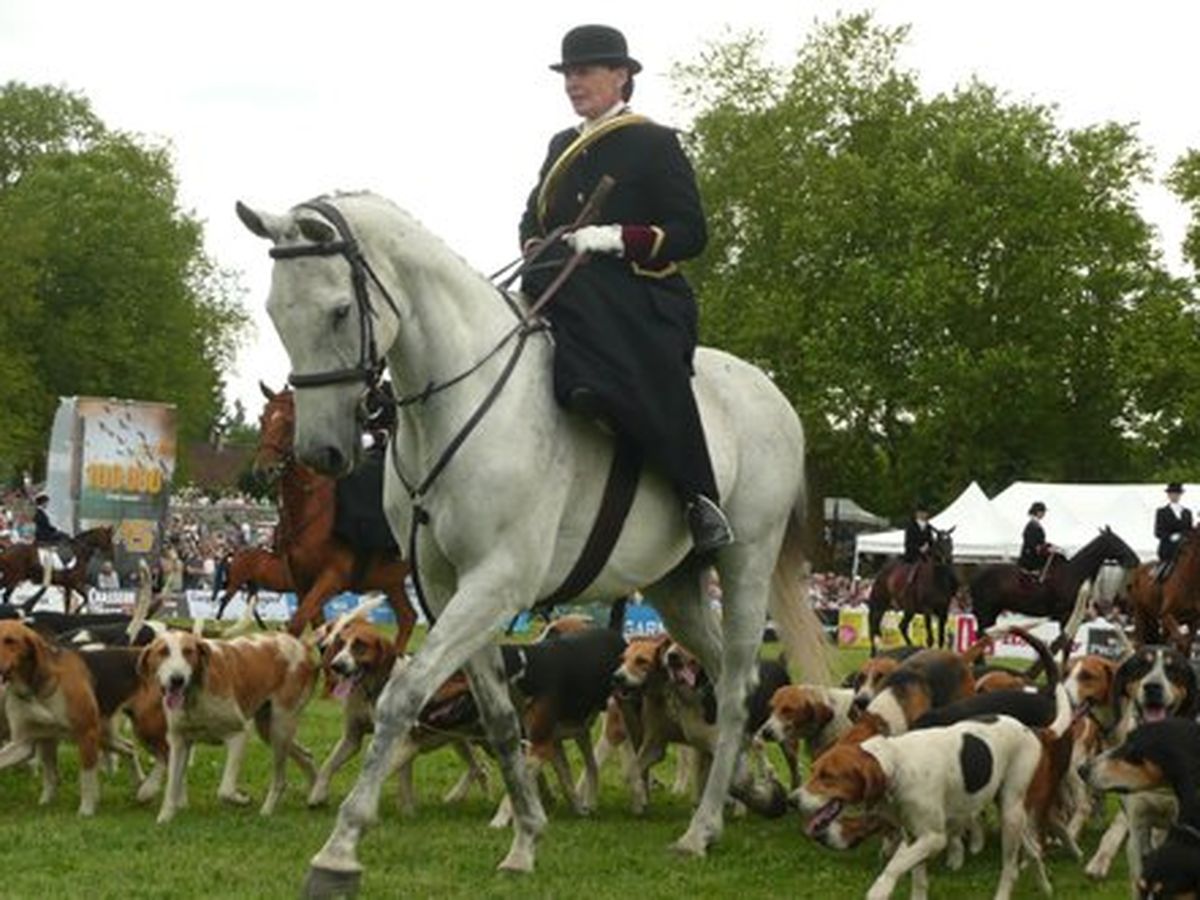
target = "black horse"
x: 1005, y: 586
x: 926, y: 590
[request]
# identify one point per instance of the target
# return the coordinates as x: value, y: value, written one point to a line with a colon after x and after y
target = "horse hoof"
x: 330, y: 884
x: 688, y: 845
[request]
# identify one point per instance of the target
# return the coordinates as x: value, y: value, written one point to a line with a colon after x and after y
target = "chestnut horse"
x: 927, y: 591
x: 320, y: 563
x: 251, y: 568
x: 1172, y: 602
x: 20, y: 562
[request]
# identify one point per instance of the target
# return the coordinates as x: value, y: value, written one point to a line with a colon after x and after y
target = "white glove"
x: 1176, y: 537
x: 596, y: 239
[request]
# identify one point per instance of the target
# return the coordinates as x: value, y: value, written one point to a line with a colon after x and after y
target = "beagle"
x: 50, y: 695
x: 560, y: 686
x: 214, y: 691
x: 933, y: 783
x: 817, y: 715
x: 358, y: 660
x: 1152, y: 685
x: 676, y: 704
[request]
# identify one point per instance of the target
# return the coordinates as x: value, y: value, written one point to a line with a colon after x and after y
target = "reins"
x: 370, y: 366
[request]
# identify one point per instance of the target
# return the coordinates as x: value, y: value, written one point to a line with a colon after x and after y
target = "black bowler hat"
x: 587, y: 45
x: 1174, y: 488
x: 1038, y: 507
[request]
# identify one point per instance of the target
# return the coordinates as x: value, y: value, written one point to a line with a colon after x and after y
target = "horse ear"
x: 950, y: 530
x: 316, y: 230
x: 266, y: 391
x: 255, y: 221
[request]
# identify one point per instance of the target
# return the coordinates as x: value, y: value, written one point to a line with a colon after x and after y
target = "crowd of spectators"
x: 199, y: 533
x: 828, y: 590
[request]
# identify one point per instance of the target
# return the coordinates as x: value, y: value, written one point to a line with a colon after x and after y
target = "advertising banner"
x: 111, y: 463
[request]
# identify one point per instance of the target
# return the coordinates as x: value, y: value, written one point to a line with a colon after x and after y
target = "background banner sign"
x: 111, y: 463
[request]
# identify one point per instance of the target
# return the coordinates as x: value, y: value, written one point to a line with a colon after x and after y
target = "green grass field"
x: 215, y: 851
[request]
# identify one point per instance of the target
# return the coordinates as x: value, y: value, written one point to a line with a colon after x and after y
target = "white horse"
x: 509, y: 513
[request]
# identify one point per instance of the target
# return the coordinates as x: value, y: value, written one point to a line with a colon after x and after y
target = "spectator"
x: 108, y: 579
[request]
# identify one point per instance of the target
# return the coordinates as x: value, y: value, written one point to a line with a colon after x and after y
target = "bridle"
x: 370, y: 365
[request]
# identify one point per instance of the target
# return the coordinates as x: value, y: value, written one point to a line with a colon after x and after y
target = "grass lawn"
x: 216, y: 851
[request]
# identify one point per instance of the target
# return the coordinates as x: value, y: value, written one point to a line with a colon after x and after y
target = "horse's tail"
x: 796, y: 621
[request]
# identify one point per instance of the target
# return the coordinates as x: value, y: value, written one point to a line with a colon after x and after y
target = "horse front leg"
x: 328, y: 583
x: 471, y: 619
x: 504, y: 731
x: 748, y: 578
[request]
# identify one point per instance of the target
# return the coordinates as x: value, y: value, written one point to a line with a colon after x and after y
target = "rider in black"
x: 1035, y: 550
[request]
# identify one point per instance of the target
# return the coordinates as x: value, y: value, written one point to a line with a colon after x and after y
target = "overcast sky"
x: 446, y: 108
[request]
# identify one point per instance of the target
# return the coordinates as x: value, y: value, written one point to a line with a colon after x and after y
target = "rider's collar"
x: 611, y: 113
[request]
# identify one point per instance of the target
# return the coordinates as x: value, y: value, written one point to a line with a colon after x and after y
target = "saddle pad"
x: 358, y: 517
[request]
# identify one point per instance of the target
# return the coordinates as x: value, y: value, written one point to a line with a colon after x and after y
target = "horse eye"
x: 341, y: 314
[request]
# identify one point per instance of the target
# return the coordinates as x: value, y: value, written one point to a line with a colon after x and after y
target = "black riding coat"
x: 917, y: 540
x: 625, y: 328
x: 44, y: 532
x: 1167, y: 524
x: 1033, y: 546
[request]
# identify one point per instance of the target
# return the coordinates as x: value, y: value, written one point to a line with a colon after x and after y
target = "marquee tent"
x: 981, y: 531
x: 990, y: 530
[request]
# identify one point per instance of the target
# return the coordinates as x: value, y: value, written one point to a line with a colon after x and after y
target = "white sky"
x: 446, y: 108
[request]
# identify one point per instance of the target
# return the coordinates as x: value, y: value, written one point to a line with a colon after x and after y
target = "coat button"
x: 579, y: 197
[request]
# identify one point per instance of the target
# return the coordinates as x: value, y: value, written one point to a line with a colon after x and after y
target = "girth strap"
x: 619, y: 491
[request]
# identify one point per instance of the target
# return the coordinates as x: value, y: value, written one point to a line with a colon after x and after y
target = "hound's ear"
x: 143, y: 662
x: 661, y: 643
x: 36, y: 657
x: 266, y: 391
x: 874, y: 781
x: 821, y: 714
x: 316, y: 230
x: 1189, y: 706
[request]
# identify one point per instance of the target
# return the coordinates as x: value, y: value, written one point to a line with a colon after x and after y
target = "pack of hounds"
x: 915, y: 749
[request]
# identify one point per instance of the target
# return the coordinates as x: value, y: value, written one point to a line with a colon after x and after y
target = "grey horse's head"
x: 325, y: 331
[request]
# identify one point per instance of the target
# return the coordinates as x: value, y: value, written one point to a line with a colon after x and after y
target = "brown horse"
x: 20, y: 562
x: 927, y: 591
x: 320, y: 563
x: 251, y: 568
x: 1006, y: 587
x: 1171, y: 603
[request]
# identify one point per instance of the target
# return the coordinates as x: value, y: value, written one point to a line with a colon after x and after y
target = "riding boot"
x: 710, y: 529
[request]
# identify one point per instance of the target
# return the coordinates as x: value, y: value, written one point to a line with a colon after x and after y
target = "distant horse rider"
x: 1171, y: 523
x: 918, y: 542
x: 50, y: 541
x: 1036, y: 551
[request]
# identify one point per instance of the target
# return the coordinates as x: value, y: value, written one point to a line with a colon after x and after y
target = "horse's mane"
x: 376, y: 204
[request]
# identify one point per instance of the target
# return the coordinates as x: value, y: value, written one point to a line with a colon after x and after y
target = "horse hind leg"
x: 688, y: 616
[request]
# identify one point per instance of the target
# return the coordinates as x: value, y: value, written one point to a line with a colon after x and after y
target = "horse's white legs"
x: 504, y: 731
x: 747, y: 579
x: 467, y: 624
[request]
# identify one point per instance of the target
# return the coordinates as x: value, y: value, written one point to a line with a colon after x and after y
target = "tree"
x: 105, y: 288
x: 944, y: 286
x: 1184, y: 180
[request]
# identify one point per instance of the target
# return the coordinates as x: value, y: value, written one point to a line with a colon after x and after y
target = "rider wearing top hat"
x: 625, y: 324
x: 918, y: 535
x: 1171, y: 523
x: 1035, y: 550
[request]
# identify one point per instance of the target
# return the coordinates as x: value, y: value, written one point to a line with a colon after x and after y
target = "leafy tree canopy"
x: 948, y: 287
x: 105, y: 288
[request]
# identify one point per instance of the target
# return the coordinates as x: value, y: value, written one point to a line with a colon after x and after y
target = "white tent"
x: 991, y: 529
x: 1074, y: 512
x: 981, y: 530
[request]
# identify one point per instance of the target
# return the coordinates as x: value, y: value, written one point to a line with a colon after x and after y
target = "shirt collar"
x: 611, y: 113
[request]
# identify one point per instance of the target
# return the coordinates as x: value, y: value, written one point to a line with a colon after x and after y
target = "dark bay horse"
x: 251, y: 568
x: 20, y: 562
x: 320, y: 563
x: 1008, y: 587
x: 927, y: 590
x: 1171, y: 603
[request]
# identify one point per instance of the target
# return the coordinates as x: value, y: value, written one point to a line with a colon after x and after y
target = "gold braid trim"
x: 550, y: 182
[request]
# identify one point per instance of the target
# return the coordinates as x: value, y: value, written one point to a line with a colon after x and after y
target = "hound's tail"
x: 796, y: 621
